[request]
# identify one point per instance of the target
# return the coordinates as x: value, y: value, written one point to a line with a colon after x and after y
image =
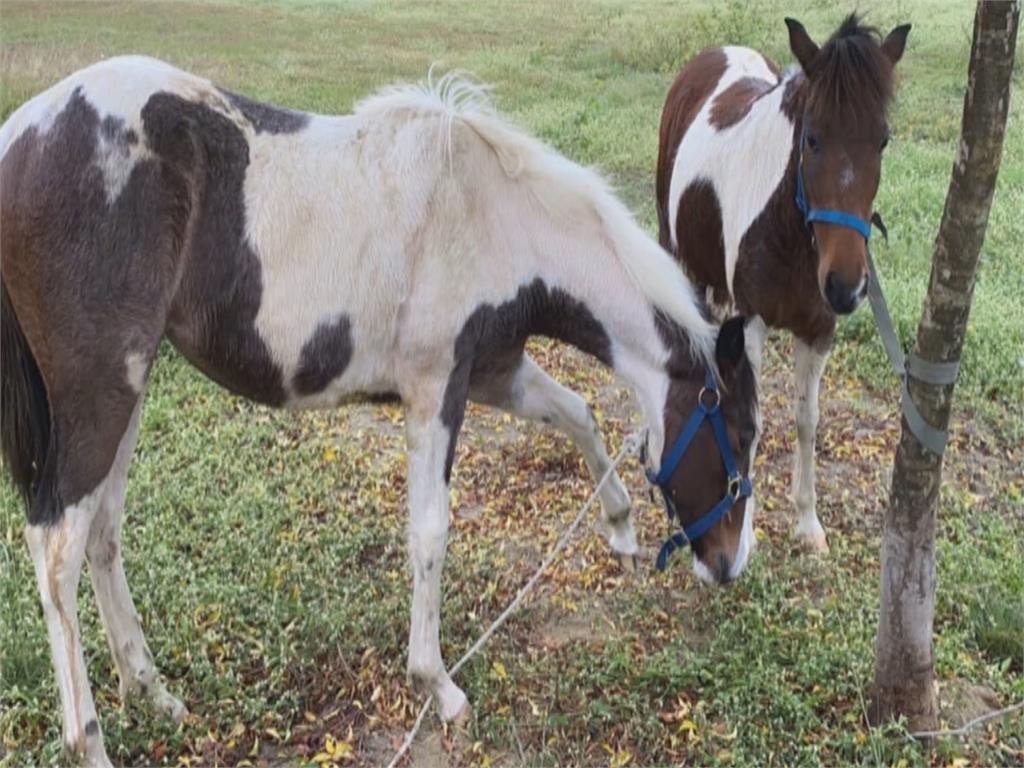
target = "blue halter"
x: 737, y: 487
x: 825, y: 215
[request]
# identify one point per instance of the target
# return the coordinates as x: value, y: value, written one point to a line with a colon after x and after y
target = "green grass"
x: 265, y: 550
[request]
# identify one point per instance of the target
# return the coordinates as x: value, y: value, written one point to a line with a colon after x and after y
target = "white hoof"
x: 463, y: 717
x: 630, y: 563
x: 169, y: 705
x: 453, y: 705
x: 622, y: 538
x: 812, y: 537
x: 88, y: 753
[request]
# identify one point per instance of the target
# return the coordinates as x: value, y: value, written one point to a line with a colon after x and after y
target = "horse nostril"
x: 830, y: 284
x: 840, y: 297
x: 722, y: 570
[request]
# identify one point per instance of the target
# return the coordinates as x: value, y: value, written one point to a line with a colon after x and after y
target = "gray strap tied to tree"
x: 922, y: 370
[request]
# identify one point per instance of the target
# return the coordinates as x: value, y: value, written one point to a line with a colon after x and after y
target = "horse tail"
x: 27, y: 435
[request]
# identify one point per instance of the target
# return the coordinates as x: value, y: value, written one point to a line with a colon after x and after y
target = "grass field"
x: 266, y: 550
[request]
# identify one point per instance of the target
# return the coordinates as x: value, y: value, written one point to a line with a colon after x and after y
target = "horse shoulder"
x: 727, y: 165
x: 691, y: 89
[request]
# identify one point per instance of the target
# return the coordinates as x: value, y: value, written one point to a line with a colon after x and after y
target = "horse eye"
x: 812, y: 142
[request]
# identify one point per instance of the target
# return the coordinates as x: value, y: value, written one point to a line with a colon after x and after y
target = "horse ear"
x: 801, y: 44
x: 895, y: 42
x: 731, y: 345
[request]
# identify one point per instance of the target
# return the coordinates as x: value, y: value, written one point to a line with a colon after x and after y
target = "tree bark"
x: 904, y: 669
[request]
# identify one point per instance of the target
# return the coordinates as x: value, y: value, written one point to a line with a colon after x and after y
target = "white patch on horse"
x: 135, y: 367
x: 703, y: 572
x: 57, y: 553
x: 747, y: 540
x: 116, y: 158
x: 135, y: 667
x: 38, y: 113
x: 846, y: 176
x: 322, y: 222
x: 744, y: 163
x: 810, y: 364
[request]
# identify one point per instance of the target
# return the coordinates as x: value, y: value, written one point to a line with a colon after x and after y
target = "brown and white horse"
x: 729, y: 156
x: 406, y: 250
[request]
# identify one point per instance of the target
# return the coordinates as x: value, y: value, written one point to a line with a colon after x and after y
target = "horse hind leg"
x: 57, y: 552
x: 530, y: 393
x: 135, y: 667
x: 88, y: 408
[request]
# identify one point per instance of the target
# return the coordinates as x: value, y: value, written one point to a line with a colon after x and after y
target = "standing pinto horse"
x: 765, y: 188
x: 408, y: 250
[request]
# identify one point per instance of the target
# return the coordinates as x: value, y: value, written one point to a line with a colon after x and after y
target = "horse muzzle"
x: 843, y: 297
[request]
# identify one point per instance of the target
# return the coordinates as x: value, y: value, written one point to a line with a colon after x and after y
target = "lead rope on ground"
x: 963, y: 729
x: 629, y: 447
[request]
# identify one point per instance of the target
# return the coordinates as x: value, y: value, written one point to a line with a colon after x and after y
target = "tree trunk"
x: 904, y: 671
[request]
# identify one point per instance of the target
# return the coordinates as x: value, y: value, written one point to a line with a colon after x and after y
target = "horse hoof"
x: 463, y: 716
x: 630, y: 563
x: 815, y: 543
x: 179, y: 714
x: 168, y: 705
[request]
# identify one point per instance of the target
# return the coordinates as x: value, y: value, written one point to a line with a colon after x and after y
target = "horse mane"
x: 562, y: 186
x: 851, y: 76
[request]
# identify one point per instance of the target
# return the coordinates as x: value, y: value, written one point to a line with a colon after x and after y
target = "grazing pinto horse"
x: 737, y: 140
x: 408, y: 249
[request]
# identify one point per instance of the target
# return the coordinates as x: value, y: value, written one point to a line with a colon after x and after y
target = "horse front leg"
x: 810, y: 365
x: 431, y: 431
x: 530, y: 393
x: 755, y: 334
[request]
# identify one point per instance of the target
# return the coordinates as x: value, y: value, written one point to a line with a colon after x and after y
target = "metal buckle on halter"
x: 709, y: 409
x: 735, y: 485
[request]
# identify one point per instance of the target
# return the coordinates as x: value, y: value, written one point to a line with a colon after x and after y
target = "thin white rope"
x: 630, y: 446
x: 963, y: 729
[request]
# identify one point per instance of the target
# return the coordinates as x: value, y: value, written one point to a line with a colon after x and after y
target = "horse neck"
x: 647, y: 349
x: 793, y: 235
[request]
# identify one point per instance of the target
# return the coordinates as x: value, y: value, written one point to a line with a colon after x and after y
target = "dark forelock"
x: 851, y: 78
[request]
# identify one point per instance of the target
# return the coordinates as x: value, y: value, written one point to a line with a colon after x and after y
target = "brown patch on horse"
x: 692, y: 87
x: 490, y: 344
x: 699, y: 240
x: 732, y: 105
x: 267, y: 118
x: 89, y: 281
x: 776, y: 270
x: 213, y: 315
x: 793, y: 96
x: 849, y: 86
x: 324, y: 357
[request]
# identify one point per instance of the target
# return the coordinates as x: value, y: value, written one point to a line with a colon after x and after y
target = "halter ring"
x: 714, y: 406
x: 734, y: 486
